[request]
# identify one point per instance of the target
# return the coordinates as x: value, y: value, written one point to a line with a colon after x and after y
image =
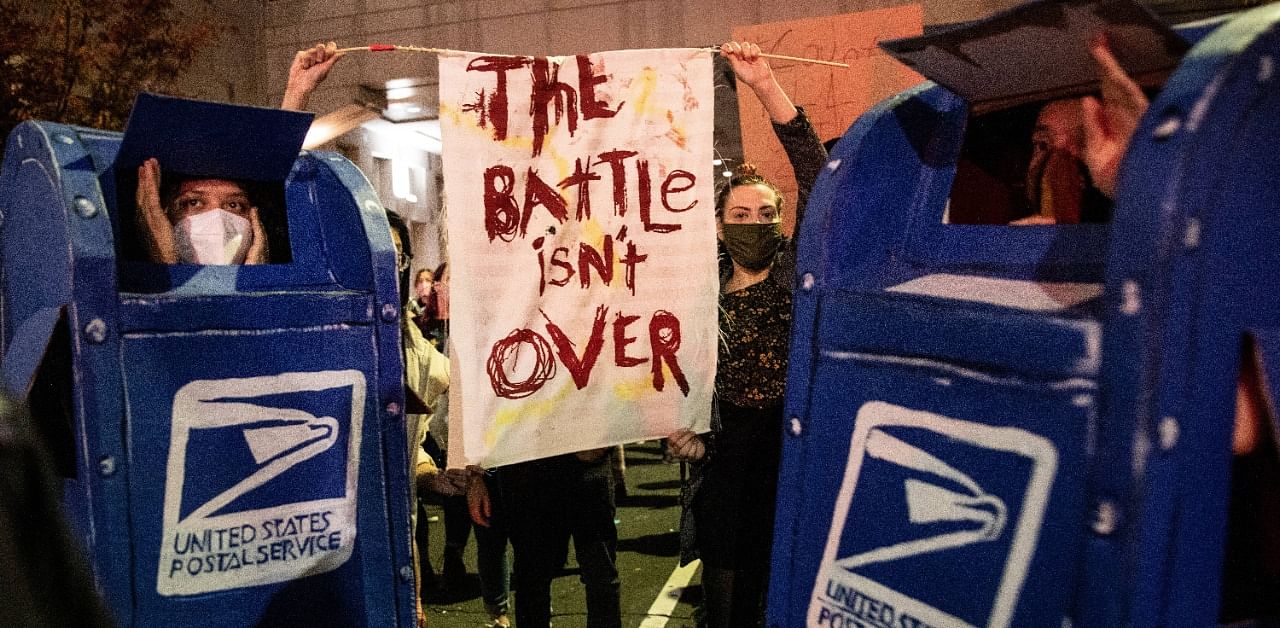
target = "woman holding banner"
x: 729, y: 501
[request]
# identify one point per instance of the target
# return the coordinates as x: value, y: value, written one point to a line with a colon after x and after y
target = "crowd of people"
x: 538, y: 506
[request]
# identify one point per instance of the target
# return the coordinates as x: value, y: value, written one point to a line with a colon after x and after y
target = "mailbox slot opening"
x: 1251, y: 571
x: 267, y: 196
x: 1000, y: 148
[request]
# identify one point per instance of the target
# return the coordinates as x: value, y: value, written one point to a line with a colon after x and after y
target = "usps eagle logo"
x: 929, y: 499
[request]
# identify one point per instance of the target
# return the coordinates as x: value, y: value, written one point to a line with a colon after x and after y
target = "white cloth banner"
x: 583, y: 284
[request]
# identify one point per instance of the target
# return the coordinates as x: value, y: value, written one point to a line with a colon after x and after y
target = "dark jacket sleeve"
x: 807, y: 156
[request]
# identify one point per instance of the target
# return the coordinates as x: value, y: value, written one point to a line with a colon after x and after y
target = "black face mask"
x: 753, y: 246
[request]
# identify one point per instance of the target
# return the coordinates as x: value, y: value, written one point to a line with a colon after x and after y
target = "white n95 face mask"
x: 213, y: 237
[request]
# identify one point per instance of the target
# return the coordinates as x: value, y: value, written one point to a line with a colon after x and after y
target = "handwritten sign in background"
x: 581, y: 248
x: 832, y: 97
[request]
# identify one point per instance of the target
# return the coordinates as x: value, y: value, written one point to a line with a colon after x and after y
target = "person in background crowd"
x: 421, y: 295
x: 546, y: 502
x: 426, y: 376
x: 729, y: 501
x: 425, y: 346
x: 491, y: 540
x: 47, y: 581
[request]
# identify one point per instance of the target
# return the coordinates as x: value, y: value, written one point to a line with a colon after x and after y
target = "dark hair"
x: 431, y: 309
x: 398, y: 224
x: 744, y: 174
x: 421, y: 271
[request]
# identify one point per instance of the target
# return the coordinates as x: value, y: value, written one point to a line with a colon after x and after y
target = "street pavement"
x: 648, y: 521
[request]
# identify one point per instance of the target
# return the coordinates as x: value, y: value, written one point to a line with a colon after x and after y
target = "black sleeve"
x: 807, y: 156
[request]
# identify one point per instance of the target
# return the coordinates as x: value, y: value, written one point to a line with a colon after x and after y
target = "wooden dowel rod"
x: 388, y: 47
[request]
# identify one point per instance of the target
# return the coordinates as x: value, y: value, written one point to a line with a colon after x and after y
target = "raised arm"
x: 803, y: 147
x: 1109, y: 123
x: 309, y: 69
x: 753, y: 69
x: 154, y: 228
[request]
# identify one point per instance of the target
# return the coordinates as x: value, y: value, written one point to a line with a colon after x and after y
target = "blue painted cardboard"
x: 1193, y: 275
x: 239, y: 440
x: 1030, y: 426
x: 212, y: 139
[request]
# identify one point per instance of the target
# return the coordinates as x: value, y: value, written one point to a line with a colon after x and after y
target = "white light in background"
x: 423, y: 135
x: 400, y: 176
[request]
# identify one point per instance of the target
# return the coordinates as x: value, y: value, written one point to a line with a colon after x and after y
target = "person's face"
x: 422, y: 287
x: 201, y: 195
x: 756, y: 203
x: 1060, y: 126
x: 442, y: 294
x: 1055, y: 180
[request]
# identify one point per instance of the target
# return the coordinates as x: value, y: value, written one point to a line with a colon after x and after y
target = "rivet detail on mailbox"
x: 1169, y: 432
x: 107, y: 467
x: 96, y: 331
x: 1104, y: 521
x: 388, y: 312
x: 1266, y: 67
x: 85, y: 208
x: 806, y: 281
x: 393, y: 408
x: 796, y: 427
x: 1131, y: 300
x: 406, y: 573
x: 1191, y: 236
x: 1166, y: 129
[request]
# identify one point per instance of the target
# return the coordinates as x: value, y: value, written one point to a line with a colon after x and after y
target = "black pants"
x: 547, y: 502
x: 734, y: 510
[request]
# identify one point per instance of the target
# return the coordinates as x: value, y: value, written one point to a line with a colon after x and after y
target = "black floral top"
x: 755, y: 322
x: 755, y: 325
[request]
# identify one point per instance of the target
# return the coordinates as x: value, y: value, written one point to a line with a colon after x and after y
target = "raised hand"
x: 309, y: 69
x: 154, y: 228
x: 257, y: 253
x: 752, y: 68
x: 1109, y: 123
x: 744, y: 57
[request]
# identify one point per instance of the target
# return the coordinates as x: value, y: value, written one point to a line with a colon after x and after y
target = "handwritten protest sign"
x: 581, y: 249
x: 832, y: 97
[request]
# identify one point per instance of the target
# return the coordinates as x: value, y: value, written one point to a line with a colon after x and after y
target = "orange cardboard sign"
x: 832, y: 97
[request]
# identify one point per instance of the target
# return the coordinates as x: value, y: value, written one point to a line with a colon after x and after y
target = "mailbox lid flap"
x: 1039, y: 51
x: 213, y: 139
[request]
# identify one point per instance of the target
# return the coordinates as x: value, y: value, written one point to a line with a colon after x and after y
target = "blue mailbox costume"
x: 232, y: 436
x: 1005, y: 426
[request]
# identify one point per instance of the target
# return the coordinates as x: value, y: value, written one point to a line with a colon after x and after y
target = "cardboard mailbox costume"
x: 232, y: 436
x: 1030, y: 426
